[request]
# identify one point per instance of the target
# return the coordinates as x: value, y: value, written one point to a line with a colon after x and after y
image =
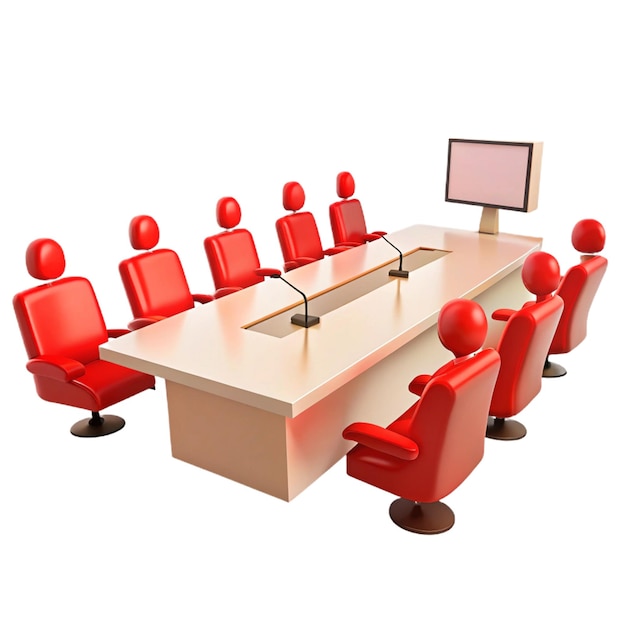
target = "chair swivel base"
x: 553, y: 370
x: 505, y: 429
x: 425, y: 518
x: 97, y: 426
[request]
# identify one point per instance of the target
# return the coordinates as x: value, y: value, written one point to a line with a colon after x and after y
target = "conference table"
x: 262, y: 401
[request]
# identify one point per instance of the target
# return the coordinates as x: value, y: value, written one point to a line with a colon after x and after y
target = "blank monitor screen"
x: 490, y: 173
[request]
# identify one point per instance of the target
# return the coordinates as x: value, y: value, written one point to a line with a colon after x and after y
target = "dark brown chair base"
x: 553, y: 370
x: 97, y: 426
x: 505, y: 429
x: 425, y: 518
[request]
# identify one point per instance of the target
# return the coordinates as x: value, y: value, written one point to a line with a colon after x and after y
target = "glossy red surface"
x: 523, y: 347
x: 345, y: 185
x: 232, y: 257
x: 293, y: 196
x: 346, y: 216
x: 588, y: 236
x: 62, y: 328
x: 298, y: 234
x: 143, y: 232
x: 462, y: 326
x: 429, y: 450
x: 228, y: 212
x: 578, y: 289
x: 447, y: 426
x: 155, y: 282
x: 541, y: 273
x: 45, y: 259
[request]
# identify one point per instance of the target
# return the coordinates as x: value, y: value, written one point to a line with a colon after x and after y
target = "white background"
x: 108, y: 110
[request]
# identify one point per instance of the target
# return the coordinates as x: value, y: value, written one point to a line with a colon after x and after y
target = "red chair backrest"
x: 578, y: 289
x: 232, y: 254
x: 298, y: 237
x: 154, y: 281
x: 449, y: 427
x: 233, y: 259
x: 61, y: 318
x: 346, y: 216
x: 155, y: 284
x: 347, y: 221
x: 523, y: 349
x: 297, y: 233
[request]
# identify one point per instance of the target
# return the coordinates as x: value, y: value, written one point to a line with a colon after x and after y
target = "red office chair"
x: 297, y: 233
x: 232, y: 254
x: 578, y: 288
x: 523, y: 346
x: 435, y: 445
x: 154, y: 281
x: 346, y: 216
x: 62, y: 326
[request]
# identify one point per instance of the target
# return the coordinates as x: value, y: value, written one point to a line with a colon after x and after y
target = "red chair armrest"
x: 140, y: 322
x: 116, y: 332
x: 382, y: 440
x: 224, y: 291
x: 379, y: 232
x: 371, y: 236
x: 417, y: 385
x: 202, y: 298
x: 502, y: 315
x: 336, y: 250
x: 267, y: 271
x: 57, y: 367
x: 290, y: 265
x: 299, y: 262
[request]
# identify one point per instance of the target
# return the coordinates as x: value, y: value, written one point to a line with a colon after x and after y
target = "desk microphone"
x: 400, y: 273
x: 305, y: 320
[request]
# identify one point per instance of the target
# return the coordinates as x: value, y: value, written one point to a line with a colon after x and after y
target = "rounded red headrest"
x: 541, y: 273
x: 345, y: 185
x: 228, y: 212
x: 588, y: 236
x: 293, y: 196
x: 45, y: 259
x: 143, y: 232
x: 462, y: 326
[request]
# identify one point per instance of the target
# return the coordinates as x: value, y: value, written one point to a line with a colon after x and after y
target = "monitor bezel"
x: 525, y: 208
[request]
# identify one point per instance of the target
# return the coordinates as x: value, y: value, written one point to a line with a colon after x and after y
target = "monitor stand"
x: 489, y: 221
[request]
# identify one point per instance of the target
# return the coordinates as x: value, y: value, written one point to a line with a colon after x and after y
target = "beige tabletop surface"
x: 214, y: 349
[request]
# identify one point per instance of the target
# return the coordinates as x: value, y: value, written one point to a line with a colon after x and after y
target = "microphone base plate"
x: 306, y: 321
x: 399, y: 273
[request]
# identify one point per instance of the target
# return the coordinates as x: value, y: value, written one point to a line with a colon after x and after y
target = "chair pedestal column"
x: 505, y: 429
x: 97, y: 426
x: 553, y: 370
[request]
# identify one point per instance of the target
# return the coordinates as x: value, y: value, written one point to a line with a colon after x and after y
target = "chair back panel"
x: 523, y: 349
x: 233, y: 259
x: 449, y: 427
x: 347, y: 221
x: 155, y: 284
x: 298, y: 236
x: 578, y: 289
x: 61, y: 318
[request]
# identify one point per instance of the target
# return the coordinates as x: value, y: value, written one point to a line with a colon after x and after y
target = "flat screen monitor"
x: 494, y: 174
